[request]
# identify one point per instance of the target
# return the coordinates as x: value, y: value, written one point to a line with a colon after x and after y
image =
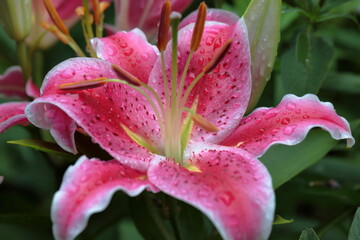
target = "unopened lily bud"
x: 16, y: 16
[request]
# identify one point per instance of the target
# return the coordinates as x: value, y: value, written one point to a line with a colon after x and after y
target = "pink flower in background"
x: 143, y: 14
x: 12, y: 85
x: 217, y: 172
x: 66, y: 10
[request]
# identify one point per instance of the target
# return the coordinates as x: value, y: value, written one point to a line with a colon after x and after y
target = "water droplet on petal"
x: 87, y: 110
x: 226, y: 197
x: 275, y: 130
x: 290, y: 106
x: 112, y: 51
x: 145, y: 56
x: 123, y: 44
x: 285, y: 121
x: 209, y: 40
x: 217, y: 43
x: 271, y: 113
x: 306, y: 117
x: 128, y: 51
x: 288, y: 130
x: 67, y: 73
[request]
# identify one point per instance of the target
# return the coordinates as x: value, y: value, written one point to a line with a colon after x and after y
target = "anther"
x: 199, y: 27
x: 103, y: 6
x: 218, y: 56
x: 83, y: 85
x: 80, y: 11
x: 55, y: 17
x: 96, y: 11
x: 203, y: 123
x: 126, y: 76
x: 164, y: 26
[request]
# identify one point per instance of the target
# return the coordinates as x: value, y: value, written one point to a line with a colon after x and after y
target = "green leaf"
x: 355, y: 227
x: 343, y: 82
x: 300, y: 79
x: 262, y: 19
x: 302, y: 48
x: 40, y: 145
x: 280, y: 220
x: 284, y: 162
x: 147, y: 218
x: 308, y: 234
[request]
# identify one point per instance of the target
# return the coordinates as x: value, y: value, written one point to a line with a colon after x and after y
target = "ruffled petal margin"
x: 87, y: 188
x: 288, y: 124
x: 12, y: 114
x: 227, y: 184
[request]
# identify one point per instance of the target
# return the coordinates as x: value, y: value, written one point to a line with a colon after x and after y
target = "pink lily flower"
x: 12, y: 85
x: 127, y: 15
x: 216, y: 172
x: 66, y: 11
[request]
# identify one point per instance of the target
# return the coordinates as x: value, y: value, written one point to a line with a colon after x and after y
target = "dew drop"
x: 275, y: 130
x: 209, y: 40
x: 123, y: 44
x: 288, y: 130
x: 290, y: 106
x: 226, y: 197
x: 108, y: 137
x: 87, y: 110
x: 145, y: 56
x: 285, y: 121
x: 223, y: 75
x: 128, y: 51
x: 68, y: 73
x: 306, y: 117
x: 217, y: 43
x: 201, y: 61
x: 271, y: 113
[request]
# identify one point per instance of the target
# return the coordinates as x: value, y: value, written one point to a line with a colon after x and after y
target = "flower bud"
x: 16, y: 16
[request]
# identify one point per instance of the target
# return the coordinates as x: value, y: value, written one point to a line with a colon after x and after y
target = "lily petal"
x: 87, y: 188
x: 12, y: 83
x: 130, y: 50
x: 144, y: 14
x: 224, y: 92
x: 12, y: 114
x: 98, y: 111
x: 229, y: 185
x: 32, y: 90
x: 216, y: 15
x: 288, y: 124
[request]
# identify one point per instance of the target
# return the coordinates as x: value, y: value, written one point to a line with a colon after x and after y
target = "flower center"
x: 175, y: 119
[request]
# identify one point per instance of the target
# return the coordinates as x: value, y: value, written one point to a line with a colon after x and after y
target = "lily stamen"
x: 55, y: 17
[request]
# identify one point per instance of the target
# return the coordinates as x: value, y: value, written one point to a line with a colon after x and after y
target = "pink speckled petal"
x: 288, y: 123
x: 232, y: 188
x: 217, y: 15
x: 12, y: 83
x: 99, y: 111
x: 12, y: 114
x: 144, y: 14
x: 224, y: 92
x: 129, y: 50
x: 87, y: 188
x: 31, y: 89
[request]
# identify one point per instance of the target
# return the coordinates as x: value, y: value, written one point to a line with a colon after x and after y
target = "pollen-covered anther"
x: 54, y: 30
x: 96, y: 11
x: 83, y: 85
x: 55, y: 17
x: 103, y: 6
x: 199, y: 27
x: 218, y: 56
x: 164, y: 26
x: 126, y: 76
x: 204, y: 123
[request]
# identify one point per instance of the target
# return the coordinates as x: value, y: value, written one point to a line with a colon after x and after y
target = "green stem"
x: 24, y: 60
x: 38, y: 67
x: 156, y: 217
x: 173, y: 217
